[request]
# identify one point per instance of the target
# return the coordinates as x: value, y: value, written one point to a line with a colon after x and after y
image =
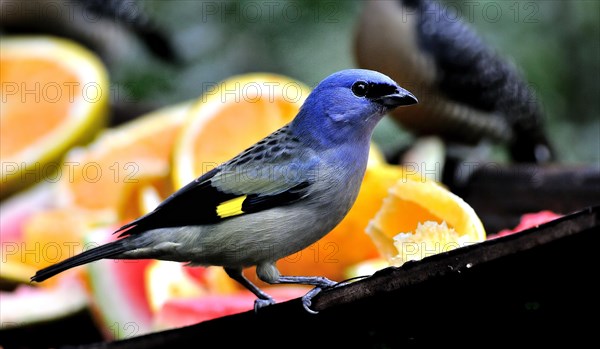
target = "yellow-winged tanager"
x: 275, y: 198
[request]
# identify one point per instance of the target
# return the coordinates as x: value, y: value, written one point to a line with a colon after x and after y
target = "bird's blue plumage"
x: 333, y: 116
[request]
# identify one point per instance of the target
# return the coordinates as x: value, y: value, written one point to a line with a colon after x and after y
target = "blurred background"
x: 159, y: 53
x: 555, y: 44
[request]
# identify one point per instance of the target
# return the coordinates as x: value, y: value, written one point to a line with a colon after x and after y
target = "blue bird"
x: 275, y: 198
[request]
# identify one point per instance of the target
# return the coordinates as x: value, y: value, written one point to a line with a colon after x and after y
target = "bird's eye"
x: 360, y: 88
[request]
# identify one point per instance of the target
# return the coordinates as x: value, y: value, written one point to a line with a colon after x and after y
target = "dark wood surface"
x: 537, y: 286
x: 501, y: 194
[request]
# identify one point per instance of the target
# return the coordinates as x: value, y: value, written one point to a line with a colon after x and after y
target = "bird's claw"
x: 261, y: 303
x: 307, y: 299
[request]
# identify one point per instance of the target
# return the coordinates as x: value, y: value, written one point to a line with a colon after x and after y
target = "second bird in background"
x: 468, y: 92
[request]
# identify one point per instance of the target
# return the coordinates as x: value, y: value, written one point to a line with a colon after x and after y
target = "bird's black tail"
x: 105, y: 251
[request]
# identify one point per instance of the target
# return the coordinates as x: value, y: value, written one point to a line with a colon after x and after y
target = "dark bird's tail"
x: 105, y: 251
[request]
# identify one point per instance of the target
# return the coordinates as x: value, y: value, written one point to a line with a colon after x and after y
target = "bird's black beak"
x: 398, y: 98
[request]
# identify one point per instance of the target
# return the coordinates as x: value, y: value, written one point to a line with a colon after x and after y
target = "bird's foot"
x: 261, y: 303
x: 307, y: 298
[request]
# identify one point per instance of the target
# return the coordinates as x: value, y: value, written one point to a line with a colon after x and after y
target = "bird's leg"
x: 269, y: 273
x: 262, y: 300
x: 317, y: 281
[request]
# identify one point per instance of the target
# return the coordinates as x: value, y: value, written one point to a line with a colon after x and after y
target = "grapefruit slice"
x: 184, y: 312
x: 27, y: 305
x: 171, y: 280
x: 118, y: 292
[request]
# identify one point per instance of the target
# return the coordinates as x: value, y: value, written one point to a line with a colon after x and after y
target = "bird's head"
x: 347, y: 105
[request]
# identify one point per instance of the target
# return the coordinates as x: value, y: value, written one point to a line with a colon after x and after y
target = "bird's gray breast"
x: 275, y: 233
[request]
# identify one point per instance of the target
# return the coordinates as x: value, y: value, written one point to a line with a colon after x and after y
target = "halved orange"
x: 420, y: 217
x: 347, y: 244
x: 237, y: 113
x: 54, y: 95
x: 100, y: 185
x: 111, y: 172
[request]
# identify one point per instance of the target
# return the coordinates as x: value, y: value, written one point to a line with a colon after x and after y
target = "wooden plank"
x: 500, y: 194
x: 536, y: 286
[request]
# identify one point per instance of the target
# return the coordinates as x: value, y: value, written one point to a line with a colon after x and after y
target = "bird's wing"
x: 274, y: 172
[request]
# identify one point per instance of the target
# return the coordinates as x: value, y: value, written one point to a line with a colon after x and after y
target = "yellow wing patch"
x: 231, y: 207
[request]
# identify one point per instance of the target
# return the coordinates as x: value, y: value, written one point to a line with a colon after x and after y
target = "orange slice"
x: 110, y: 173
x: 237, y: 113
x: 102, y: 184
x: 419, y: 218
x: 54, y: 95
x: 347, y: 244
